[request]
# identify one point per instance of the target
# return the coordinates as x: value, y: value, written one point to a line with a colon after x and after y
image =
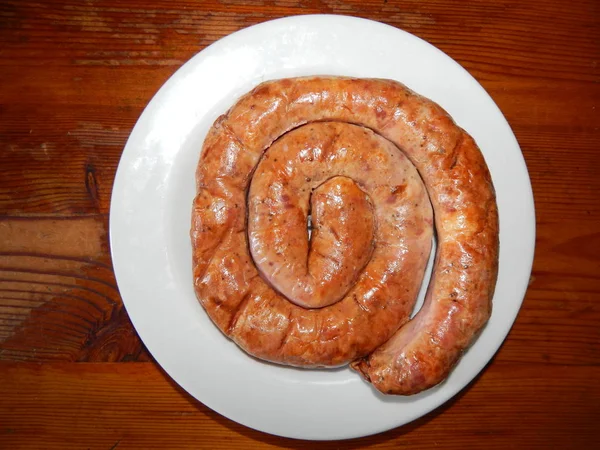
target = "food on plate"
x: 313, y: 221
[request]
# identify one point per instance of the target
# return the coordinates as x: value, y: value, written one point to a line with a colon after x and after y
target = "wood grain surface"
x: 74, y: 78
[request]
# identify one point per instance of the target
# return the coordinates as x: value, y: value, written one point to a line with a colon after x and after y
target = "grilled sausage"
x: 345, y: 294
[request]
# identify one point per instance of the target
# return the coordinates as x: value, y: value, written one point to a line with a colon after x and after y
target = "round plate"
x: 151, y: 209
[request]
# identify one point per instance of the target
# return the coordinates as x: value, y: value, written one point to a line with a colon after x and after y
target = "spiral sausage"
x: 345, y: 294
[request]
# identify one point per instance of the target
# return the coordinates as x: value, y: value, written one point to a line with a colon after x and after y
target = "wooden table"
x: 74, y: 78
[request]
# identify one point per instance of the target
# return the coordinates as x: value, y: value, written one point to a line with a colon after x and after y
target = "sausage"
x: 284, y: 312
x: 359, y: 274
x: 352, y: 178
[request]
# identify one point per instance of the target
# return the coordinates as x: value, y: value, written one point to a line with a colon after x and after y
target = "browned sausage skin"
x: 392, y: 222
x: 360, y: 325
x: 352, y: 178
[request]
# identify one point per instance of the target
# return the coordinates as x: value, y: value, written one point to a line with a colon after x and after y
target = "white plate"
x: 151, y: 209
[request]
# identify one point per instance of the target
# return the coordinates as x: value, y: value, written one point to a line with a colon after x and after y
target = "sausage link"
x: 363, y: 319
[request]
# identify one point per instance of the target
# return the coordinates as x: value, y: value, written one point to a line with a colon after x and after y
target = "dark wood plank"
x: 560, y: 317
x: 135, y: 405
x: 58, y: 296
x: 69, y: 122
x: 78, y: 105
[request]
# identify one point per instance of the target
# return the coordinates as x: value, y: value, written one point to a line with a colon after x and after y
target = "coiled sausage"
x: 344, y: 295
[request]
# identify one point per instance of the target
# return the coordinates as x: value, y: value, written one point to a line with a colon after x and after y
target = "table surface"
x: 76, y: 75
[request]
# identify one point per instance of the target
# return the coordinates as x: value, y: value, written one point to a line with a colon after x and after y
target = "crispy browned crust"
x: 264, y: 323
